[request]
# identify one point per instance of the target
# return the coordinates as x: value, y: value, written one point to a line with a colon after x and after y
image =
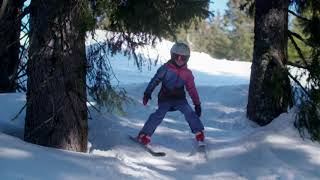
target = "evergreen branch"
x: 101, y: 47
x: 20, y: 87
x: 22, y: 75
x: 296, y: 65
x: 297, y: 48
x: 22, y: 68
x: 299, y: 37
x: 296, y: 81
x: 17, y: 72
x: 298, y: 16
x: 24, y: 13
x: 91, y: 103
x: 16, y: 41
x: 24, y: 27
x: 17, y: 115
x: 313, y: 104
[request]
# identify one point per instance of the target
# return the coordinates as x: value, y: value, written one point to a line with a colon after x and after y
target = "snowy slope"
x: 237, y: 148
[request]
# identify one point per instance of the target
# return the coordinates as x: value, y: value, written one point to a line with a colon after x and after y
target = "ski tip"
x: 160, y: 154
x: 132, y: 137
x: 147, y: 148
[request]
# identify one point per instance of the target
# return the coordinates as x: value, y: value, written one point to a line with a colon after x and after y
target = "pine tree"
x: 225, y: 37
x: 269, y: 90
x: 208, y: 36
x: 56, y: 113
x: 219, y: 39
x: 240, y: 31
x: 294, y: 57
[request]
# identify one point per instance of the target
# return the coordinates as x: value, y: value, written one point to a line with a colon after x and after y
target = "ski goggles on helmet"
x: 184, y: 58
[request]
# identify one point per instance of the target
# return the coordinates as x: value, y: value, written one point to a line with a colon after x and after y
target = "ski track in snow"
x: 236, y: 147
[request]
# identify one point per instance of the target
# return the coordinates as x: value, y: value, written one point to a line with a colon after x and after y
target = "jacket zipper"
x: 176, y: 83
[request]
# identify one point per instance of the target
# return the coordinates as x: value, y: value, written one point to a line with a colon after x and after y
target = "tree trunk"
x: 269, y: 90
x: 9, y: 45
x: 56, y: 114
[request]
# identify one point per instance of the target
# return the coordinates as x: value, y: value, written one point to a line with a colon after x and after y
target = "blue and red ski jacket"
x: 174, y: 79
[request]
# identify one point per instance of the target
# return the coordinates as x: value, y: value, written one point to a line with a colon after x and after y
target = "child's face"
x: 181, y: 60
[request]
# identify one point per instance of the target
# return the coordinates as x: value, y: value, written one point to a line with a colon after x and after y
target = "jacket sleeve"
x: 157, y: 78
x: 192, y: 90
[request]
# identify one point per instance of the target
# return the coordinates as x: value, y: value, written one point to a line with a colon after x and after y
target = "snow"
x: 236, y: 147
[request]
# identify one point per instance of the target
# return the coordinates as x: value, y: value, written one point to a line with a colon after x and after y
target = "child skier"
x: 174, y: 76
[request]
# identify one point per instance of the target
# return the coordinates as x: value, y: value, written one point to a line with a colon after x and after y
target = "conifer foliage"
x: 228, y: 35
x: 131, y: 24
x: 141, y: 22
x: 308, y: 17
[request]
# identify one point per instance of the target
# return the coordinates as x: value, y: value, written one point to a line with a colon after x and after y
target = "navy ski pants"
x: 156, y: 118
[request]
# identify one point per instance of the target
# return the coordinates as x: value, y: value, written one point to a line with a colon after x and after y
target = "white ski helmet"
x: 180, y: 49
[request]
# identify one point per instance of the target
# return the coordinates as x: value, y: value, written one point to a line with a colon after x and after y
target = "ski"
x: 201, y: 146
x: 199, y: 149
x: 147, y: 147
x: 202, y: 149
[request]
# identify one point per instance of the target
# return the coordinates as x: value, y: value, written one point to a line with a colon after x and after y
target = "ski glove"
x: 146, y: 98
x: 197, y: 109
